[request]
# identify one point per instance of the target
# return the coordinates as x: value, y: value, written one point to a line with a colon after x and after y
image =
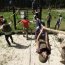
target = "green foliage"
x: 54, y: 12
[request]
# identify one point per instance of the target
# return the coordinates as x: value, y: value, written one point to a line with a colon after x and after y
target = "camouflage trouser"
x: 25, y: 31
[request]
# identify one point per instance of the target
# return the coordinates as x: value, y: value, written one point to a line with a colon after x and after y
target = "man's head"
x: 25, y: 17
x: 43, y: 57
x: 1, y: 18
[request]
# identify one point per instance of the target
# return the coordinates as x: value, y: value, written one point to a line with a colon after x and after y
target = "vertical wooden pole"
x: 14, y: 17
x: 40, y: 5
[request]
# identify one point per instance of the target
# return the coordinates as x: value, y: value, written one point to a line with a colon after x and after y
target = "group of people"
x: 7, y: 30
x: 43, y: 49
x: 41, y: 39
x: 57, y: 25
x: 49, y: 18
x: 36, y: 12
x: 41, y: 35
x: 44, y: 35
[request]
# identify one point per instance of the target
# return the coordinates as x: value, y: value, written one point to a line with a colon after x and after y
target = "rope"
x: 13, y: 13
x: 30, y: 50
x: 30, y: 55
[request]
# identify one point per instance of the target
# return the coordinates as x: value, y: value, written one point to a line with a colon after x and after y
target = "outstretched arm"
x: 18, y: 21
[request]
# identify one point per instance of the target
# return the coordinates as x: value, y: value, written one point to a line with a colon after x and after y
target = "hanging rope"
x: 12, y: 15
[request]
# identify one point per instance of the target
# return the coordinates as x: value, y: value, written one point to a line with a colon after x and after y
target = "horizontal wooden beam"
x: 52, y: 30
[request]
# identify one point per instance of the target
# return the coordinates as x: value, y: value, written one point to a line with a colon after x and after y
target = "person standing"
x: 58, y: 21
x: 25, y: 23
x: 49, y: 17
x: 8, y: 32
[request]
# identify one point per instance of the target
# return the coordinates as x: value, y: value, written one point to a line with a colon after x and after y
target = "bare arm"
x: 39, y: 34
x: 47, y: 40
x: 18, y: 21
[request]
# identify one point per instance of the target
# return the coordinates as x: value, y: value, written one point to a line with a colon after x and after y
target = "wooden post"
x: 14, y: 17
x: 40, y: 5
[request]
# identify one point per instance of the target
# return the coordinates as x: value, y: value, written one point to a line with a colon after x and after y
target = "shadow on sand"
x: 29, y: 38
x: 19, y: 46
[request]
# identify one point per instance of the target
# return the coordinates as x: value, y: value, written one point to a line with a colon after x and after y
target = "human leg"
x: 58, y: 25
x: 36, y: 33
x: 27, y: 33
x: 11, y: 38
x: 6, y: 37
x: 49, y: 24
x: 23, y: 32
x: 38, y: 48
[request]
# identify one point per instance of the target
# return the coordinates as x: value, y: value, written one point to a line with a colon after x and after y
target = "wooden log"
x: 49, y: 30
x: 52, y: 30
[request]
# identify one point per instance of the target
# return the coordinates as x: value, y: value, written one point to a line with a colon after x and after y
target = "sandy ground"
x: 24, y: 52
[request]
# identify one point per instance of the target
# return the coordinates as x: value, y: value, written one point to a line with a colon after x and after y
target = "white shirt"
x: 60, y: 19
